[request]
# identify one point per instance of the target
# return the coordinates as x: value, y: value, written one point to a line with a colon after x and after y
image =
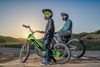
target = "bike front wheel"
x: 24, y: 52
x: 77, y: 48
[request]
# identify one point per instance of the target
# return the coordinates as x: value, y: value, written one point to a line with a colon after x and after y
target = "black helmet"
x: 48, y: 10
x: 65, y: 18
x: 64, y: 14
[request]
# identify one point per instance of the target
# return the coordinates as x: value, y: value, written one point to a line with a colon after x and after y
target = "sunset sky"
x: 85, y: 15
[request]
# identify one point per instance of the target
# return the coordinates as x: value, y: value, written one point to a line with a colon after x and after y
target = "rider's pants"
x: 61, y: 34
x: 47, y: 49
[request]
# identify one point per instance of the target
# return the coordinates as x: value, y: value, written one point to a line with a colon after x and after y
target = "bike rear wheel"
x: 77, y: 48
x: 65, y: 53
x: 24, y: 53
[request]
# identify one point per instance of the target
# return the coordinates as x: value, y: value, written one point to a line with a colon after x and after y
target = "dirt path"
x: 91, y: 59
x: 31, y: 62
x: 35, y: 62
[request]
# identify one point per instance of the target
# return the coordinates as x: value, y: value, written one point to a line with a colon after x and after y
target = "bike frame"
x: 39, y: 45
x: 71, y: 47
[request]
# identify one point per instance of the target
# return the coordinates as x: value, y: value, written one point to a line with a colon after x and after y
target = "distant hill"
x: 7, y: 41
x: 22, y: 39
x: 4, y: 39
x: 91, y: 40
x: 86, y: 35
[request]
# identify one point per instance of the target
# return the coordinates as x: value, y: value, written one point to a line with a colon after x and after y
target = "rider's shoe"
x: 45, y: 63
x: 52, y: 63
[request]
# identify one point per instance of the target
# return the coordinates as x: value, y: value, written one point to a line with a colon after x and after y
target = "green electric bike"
x: 60, y: 52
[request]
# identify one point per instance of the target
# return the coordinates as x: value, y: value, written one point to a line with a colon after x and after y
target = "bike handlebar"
x: 27, y: 26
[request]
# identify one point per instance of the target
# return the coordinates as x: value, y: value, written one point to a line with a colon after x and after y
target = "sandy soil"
x: 9, y: 57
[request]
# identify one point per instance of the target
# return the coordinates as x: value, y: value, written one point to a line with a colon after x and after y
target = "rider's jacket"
x: 67, y: 27
x: 50, y: 29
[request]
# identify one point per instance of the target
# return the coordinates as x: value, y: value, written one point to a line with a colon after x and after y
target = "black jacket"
x: 50, y: 29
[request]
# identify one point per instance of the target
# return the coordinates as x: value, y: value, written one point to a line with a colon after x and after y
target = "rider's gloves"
x: 46, y: 37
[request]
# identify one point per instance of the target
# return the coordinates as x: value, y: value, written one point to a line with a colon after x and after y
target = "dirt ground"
x: 9, y: 57
x: 4, y: 57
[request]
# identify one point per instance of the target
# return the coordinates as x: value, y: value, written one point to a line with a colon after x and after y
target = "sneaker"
x: 52, y: 63
x: 44, y: 63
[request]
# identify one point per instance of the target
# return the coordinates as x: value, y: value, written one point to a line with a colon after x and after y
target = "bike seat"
x: 67, y: 37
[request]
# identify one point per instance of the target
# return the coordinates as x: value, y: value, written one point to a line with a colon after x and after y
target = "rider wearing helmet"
x: 66, y: 30
x: 49, y: 33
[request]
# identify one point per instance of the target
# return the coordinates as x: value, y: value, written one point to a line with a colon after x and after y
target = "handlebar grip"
x: 26, y: 26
